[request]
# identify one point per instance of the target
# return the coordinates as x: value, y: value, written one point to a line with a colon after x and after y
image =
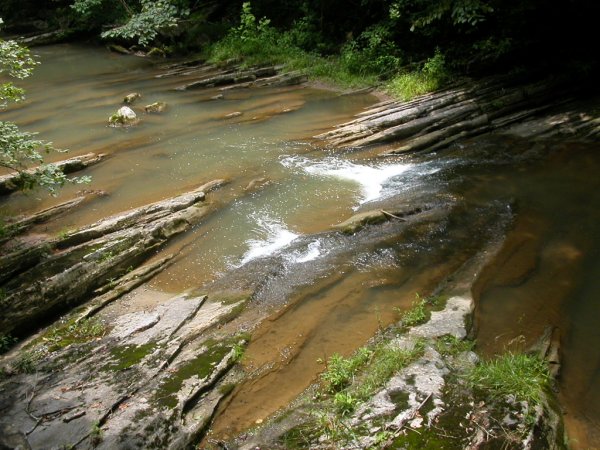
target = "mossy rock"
x: 124, y: 117
x: 359, y: 221
x: 131, y: 98
x: 156, y: 107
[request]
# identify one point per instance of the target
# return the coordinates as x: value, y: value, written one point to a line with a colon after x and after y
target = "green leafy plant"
x: 340, y: 370
x: 253, y: 41
x: 238, y: 351
x: 373, y: 52
x: 6, y: 342
x: 424, y: 14
x: 154, y: 17
x: 141, y: 21
x: 20, y: 150
x: 250, y: 28
x: 345, y: 403
x: 416, y: 315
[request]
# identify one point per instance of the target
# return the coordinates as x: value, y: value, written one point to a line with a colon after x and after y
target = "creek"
x: 544, y: 198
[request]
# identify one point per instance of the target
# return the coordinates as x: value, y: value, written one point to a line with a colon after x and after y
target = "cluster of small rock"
x: 126, y: 116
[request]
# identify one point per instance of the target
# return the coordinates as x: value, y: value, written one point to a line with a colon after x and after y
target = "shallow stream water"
x: 545, y: 197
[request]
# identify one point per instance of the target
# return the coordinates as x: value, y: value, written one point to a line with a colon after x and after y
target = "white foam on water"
x: 370, y: 178
x: 313, y: 251
x: 276, y: 236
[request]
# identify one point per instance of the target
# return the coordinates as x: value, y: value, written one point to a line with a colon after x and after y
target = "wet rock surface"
x: 135, y: 385
x: 541, y: 109
x: 425, y: 404
x: 13, y: 181
x: 124, y: 117
x: 48, y: 275
x: 156, y: 378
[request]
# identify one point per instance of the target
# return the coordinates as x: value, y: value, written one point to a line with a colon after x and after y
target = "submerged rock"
x: 155, y: 51
x: 118, y: 49
x: 131, y: 98
x: 12, y: 182
x: 156, y: 107
x: 256, y: 183
x: 124, y: 117
x: 233, y: 114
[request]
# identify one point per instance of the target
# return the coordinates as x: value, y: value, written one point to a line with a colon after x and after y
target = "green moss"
x: 235, y: 311
x: 437, y: 302
x: 449, y: 345
x: 399, y: 398
x: 441, y: 437
x: 230, y: 298
x: 201, y: 366
x: 128, y: 356
x: 227, y: 388
x: 300, y: 437
x: 70, y: 332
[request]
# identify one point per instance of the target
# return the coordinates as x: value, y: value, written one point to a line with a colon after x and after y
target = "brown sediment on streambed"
x: 163, y: 373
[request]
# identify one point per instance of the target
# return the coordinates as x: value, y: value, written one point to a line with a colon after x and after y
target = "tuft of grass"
x: 26, y: 363
x: 386, y: 361
x: 352, y: 381
x: 416, y: 315
x: 96, y: 436
x: 524, y: 376
x: 74, y: 332
x: 341, y: 371
x: 238, y: 350
x: 372, y: 367
x: 431, y: 77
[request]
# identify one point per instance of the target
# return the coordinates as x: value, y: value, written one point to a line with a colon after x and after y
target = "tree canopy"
x: 473, y: 34
x: 20, y: 150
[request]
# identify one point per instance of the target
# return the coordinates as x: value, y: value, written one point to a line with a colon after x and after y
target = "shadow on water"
x: 547, y: 274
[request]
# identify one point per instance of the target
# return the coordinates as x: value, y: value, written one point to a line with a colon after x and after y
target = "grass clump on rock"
x: 519, y: 374
x: 355, y: 379
x: 431, y: 77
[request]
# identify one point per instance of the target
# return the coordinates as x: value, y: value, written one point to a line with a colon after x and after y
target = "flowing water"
x: 333, y: 291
